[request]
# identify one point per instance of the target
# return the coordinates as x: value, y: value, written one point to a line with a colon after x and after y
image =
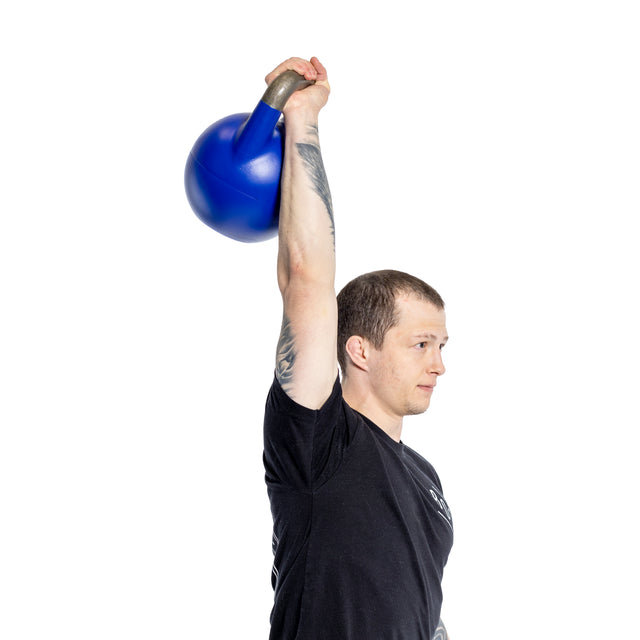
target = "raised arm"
x: 306, y: 360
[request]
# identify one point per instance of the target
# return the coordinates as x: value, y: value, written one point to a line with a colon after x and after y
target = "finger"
x: 299, y: 65
x: 320, y: 70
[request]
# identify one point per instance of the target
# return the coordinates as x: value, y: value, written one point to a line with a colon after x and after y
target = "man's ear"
x: 358, y: 349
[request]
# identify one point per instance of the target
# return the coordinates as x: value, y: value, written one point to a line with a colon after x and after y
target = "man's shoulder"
x: 279, y: 399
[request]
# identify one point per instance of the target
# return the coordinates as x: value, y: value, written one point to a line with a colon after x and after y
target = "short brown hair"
x: 367, y: 306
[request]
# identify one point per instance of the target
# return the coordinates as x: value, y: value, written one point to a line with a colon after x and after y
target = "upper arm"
x: 306, y: 358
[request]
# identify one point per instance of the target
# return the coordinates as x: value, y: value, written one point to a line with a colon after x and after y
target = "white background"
x: 491, y: 148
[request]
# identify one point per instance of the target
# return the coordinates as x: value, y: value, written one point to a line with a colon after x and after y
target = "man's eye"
x: 421, y: 345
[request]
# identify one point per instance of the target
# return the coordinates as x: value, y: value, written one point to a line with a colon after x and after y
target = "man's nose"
x: 437, y: 365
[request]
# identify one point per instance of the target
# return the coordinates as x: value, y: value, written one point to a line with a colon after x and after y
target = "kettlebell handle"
x: 281, y: 89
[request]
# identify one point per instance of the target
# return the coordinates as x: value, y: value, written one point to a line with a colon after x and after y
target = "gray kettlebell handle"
x: 282, y: 87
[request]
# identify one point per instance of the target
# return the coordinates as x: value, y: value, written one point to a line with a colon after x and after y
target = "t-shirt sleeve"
x: 300, y: 443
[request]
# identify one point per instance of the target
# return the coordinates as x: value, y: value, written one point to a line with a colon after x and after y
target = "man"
x: 361, y: 529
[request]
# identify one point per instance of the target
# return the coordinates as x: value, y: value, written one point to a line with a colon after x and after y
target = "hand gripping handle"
x: 280, y: 90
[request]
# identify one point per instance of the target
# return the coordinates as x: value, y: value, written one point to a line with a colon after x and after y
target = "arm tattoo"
x: 441, y: 632
x: 286, y: 355
x: 310, y: 154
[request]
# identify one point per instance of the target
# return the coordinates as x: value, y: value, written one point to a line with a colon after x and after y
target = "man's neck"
x: 364, y: 402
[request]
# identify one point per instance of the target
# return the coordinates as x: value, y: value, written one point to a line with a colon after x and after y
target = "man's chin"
x: 416, y: 410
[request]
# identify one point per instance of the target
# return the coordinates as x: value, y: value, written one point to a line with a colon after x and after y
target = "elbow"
x: 296, y: 268
x: 301, y: 279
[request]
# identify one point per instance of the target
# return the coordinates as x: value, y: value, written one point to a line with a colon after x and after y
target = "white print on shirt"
x: 443, y: 508
x: 274, y: 547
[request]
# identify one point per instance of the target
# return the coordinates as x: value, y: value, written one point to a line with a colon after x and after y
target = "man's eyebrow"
x: 430, y: 336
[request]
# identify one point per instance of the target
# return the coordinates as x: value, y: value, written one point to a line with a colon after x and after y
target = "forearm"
x: 306, y: 235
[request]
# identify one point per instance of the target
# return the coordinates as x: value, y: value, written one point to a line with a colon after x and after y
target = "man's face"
x: 405, y: 371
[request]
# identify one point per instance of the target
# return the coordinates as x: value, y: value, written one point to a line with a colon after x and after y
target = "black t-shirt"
x: 361, y: 530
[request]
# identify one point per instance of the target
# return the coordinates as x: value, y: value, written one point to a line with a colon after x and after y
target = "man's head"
x: 367, y: 306
x: 391, y: 329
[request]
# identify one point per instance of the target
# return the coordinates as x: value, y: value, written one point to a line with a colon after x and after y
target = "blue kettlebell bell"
x: 232, y: 176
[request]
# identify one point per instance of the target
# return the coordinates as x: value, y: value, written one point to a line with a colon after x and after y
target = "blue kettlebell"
x: 232, y: 176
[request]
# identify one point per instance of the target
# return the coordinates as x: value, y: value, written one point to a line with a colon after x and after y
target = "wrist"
x: 297, y: 122
x: 302, y: 114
